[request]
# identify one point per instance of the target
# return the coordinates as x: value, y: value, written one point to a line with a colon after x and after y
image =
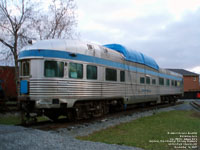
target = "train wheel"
x: 27, y: 119
x: 52, y: 114
x: 71, y: 115
x: 53, y: 117
x: 105, y: 108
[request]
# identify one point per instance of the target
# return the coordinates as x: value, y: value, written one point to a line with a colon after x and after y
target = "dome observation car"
x: 134, y: 56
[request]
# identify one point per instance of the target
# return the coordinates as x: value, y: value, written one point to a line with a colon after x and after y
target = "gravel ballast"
x: 88, y: 128
x: 17, y: 138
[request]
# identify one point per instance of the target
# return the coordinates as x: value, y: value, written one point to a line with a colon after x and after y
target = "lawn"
x: 10, y: 120
x: 153, y: 132
x: 15, y: 120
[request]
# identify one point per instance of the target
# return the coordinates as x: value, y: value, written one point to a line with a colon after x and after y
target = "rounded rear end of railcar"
x: 44, y: 89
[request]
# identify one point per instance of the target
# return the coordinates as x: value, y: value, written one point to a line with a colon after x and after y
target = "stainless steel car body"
x: 43, y: 90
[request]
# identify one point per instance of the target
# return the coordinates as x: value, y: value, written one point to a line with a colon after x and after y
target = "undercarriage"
x: 80, y: 110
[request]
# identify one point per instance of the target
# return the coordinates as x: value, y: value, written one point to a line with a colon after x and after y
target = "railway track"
x: 195, y: 105
x: 65, y: 123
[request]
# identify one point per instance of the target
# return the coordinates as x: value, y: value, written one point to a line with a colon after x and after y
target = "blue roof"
x: 134, y: 56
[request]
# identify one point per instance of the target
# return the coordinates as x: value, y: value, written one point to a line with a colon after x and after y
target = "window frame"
x: 178, y: 83
x: 106, y: 74
x: 63, y: 66
x: 22, y: 68
x: 161, y: 81
x: 69, y: 75
x: 172, y: 83
x: 167, y: 82
x: 148, y: 79
x: 87, y: 72
x: 122, y: 76
x: 142, y: 80
x: 153, y: 83
x: 175, y: 84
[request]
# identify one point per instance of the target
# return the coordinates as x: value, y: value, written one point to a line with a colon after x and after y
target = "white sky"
x: 167, y: 30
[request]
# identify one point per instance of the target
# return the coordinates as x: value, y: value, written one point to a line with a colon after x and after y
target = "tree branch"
x: 6, y: 44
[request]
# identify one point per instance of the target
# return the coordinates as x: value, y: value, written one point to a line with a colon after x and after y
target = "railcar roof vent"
x: 31, y: 42
x: 89, y: 47
x: 105, y: 50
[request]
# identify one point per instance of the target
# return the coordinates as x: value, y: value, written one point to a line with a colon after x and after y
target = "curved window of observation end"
x: 24, y: 66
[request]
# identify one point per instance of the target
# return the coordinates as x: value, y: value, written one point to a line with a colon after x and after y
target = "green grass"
x: 10, y: 120
x: 15, y: 120
x: 139, y: 132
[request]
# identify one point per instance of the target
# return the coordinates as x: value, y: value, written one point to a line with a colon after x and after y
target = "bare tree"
x: 59, y: 21
x: 23, y: 20
x: 13, y: 27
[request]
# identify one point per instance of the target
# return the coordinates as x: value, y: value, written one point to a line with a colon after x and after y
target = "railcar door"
x: 24, y: 72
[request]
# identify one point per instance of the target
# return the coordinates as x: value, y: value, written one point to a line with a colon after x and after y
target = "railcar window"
x: 168, y: 83
x: 53, y: 69
x: 172, y: 82
x: 75, y: 70
x: 122, y: 76
x: 111, y: 74
x: 178, y: 83
x: 175, y: 83
x: 161, y: 81
x: 147, y: 80
x: 153, y: 81
x: 142, y: 80
x: 91, y: 72
x: 25, y: 68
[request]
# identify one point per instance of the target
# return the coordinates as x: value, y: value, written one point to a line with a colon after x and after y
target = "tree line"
x: 24, y: 20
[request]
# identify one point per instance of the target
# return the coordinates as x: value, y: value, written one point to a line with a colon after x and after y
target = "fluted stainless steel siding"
x: 73, y: 88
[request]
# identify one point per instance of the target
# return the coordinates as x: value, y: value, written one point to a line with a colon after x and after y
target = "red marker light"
x: 198, y: 95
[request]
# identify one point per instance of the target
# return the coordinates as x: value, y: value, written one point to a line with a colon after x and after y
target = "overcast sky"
x: 167, y: 30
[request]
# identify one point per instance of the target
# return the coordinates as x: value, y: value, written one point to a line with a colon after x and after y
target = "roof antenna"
x: 30, y: 42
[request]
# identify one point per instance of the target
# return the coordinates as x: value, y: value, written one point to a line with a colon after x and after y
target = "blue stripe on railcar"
x: 91, y: 59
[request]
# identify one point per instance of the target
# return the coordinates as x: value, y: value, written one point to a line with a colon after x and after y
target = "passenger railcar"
x: 82, y: 80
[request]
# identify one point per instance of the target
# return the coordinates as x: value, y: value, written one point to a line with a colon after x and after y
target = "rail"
x: 8, y: 105
x: 196, y: 105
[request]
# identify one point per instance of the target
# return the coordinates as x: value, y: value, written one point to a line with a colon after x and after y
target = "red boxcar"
x: 7, y: 82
